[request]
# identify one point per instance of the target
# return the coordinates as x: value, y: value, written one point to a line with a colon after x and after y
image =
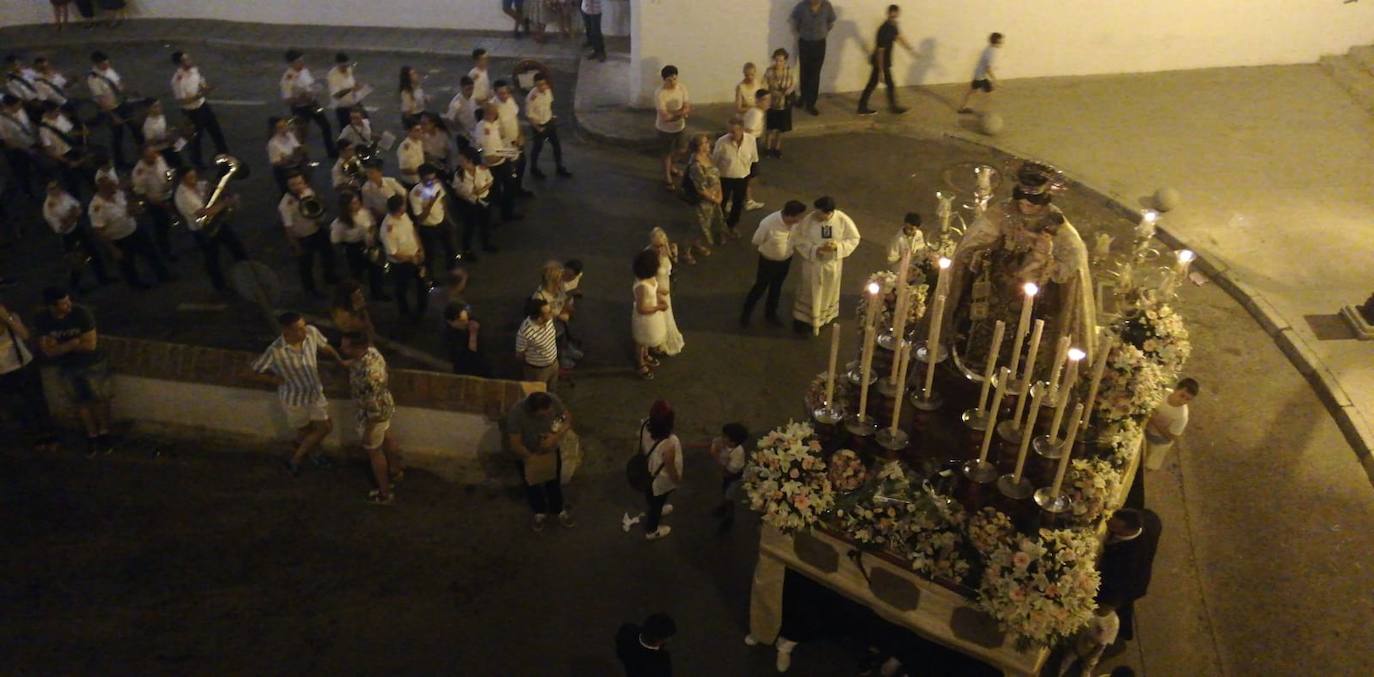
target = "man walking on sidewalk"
x: 984, y: 79
x: 881, y: 61
x: 812, y: 20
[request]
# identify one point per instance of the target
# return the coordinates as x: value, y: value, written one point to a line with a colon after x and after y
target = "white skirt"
x: 648, y: 330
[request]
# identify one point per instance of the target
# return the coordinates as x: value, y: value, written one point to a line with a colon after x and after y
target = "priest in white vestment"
x: 823, y: 241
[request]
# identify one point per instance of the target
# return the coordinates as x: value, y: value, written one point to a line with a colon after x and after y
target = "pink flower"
x: 793, y: 473
x: 1021, y: 560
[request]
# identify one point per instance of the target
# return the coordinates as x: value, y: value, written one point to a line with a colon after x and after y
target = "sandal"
x: 652, y: 361
x: 646, y: 373
x: 376, y: 497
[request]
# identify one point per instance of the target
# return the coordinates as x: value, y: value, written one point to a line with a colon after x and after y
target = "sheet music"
x: 361, y: 92
x: 387, y: 141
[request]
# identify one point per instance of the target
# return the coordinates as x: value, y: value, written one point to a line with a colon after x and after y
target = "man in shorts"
x: 368, y: 384
x: 983, y: 77
x: 67, y: 336
x: 292, y: 364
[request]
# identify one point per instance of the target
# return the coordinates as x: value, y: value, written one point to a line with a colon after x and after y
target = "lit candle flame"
x: 1149, y: 216
x: 1186, y: 256
x: 1076, y: 354
x: 874, y: 288
x: 1031, y: 288
x: 945, y: 262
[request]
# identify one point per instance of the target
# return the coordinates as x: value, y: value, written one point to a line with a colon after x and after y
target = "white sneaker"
x: 751, y: 205
x: 750, y: 640
x: 661, y: 532
x: 785, y: 647
x: 667, y: 509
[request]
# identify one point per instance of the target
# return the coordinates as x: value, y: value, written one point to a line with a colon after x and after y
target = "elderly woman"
x: 647, y: 321
x: 659, y: 243
x: 551, y: 289
x: 705, y: 196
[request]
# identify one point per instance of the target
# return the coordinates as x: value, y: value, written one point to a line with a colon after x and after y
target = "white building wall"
x: 709, y: 40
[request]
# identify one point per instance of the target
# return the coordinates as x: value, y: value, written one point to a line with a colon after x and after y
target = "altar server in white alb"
x: 823, y: 241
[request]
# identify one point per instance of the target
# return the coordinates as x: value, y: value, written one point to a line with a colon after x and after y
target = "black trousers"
x: 315, y: 245
x: 546, y: 498
x: 595, y: 40
x: 203, y: 121
x: 476, y: 219
x: 117, y: 129
x: 885, y: 72
x: 733, y: 192
x: 812, y: 55
x: 78, y: 244
x: 308, y: 114
x: 437, y: 238
x: 21, y: 168
x: 770, y: 276
x: 162, y: 229
x: 404, y: 278
x: 355, y: 254
x: 549, y: 134
x: 135, y: 246
x: 653, y: 514
x: 22, y: 390
x: 341, y: 116
x: 210, y: 247
x: 505, y: 187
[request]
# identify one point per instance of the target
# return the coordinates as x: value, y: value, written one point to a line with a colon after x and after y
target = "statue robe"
x: 818, y: 297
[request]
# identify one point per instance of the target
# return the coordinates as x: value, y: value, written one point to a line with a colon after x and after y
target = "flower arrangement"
x: 786, y: 479
x: 1119, y: 442
x: 987, y: 528
x: 847, y: 472
x: 815, y: 391
x: 1132, y: 385
x: 875, y: 517
x: 933, y: 537
x: 1160, y: 333
x: 887, y: 279
x: 1041, y: 588
x: 1090, y: 483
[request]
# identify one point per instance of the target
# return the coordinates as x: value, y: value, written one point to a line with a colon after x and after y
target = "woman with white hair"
x: 673, y: 342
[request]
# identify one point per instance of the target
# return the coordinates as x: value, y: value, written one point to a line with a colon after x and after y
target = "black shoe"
x: 801, y: 327
x: 865, y: 110
x: 537, y: 174
x: 563, y: 172
x: 812, y: 110
x: 106, y: 442
x: 772, y: 320
x: 292, y: 468
x: 525, y: 192
x: 898, y: 110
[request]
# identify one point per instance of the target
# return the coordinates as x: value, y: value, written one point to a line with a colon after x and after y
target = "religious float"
x: 956, y: 476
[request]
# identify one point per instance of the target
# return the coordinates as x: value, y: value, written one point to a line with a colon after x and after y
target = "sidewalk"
x: 1257, y: 153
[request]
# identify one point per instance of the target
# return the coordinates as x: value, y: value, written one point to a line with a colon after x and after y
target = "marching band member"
x: 57, y: 138
x: 191, y: 194
x: 303, y: 233
x: 359, y: 129
x: 343, y: 88
x: 51, y: 83
x: 19, y: 138
x: 19, y: 82
x: 473, y: 183
x: 481, y: 81
x: 107, y: 89
x: 355, y: 230
x: 115, y: 224
x: 429, y: 204
x: 406, y: 255
x: 148, y: 180
x: 156, y: 134
x: 462, y: 109
x: 508, y: 122
x: 499, y: 158
x: 539, y: 112
x: 189, y: 88
x: 436, y: 142
x: 285, y: 152
x: 339, y: 176
x: 298, y: 91
x: 63, y: 214
x: 378, y: 189
x: 413, y: 99
x: 410, y: 154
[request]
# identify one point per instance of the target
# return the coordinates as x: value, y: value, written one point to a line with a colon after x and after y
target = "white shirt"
x: 985, y: 63
x: 1171, y: 418
x: 539, y: 107
x: 509, y: 119
x: 487, y: 135
x: 481, y: 84
x: 191, y: 200
x: 107, y: 173
x: 462, y: 112
x: 662, y: 482
x: 21, y: 85
x: 57, y: 210
x: 52, y: 141
x: 421, y: 194
x: 734, y: 161
x: 337, y: 175
x: 754, y: 121
x: 732, y: 460
x: 338, y: 80
x: 399, y: 238
x: 155, y: 130
x: 474, y: 187
x: 105, y: 95
x: 360, y: 135
x: 436, y: 145
x: 901, y: 242
x: 409, y: 156
x: 375, y: 196
x: 774, y: 238
x: 413, y: 102
x: 298, y: 367
x: 51, y: 87
x: 186, y: 83
x: 150, y: 181
x: 296, y: 84
x: 292, y: 220
x: 111, y: 217
x: 281, y: 147
x: 360, y: 231
x: 670, y: 101
x: 17, y: 130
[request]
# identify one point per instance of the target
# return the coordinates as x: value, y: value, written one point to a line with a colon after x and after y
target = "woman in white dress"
x: 659, y: 243
x: 646, y: 322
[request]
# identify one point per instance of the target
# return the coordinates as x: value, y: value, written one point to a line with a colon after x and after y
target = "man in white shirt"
x: 410, y: 154
x: 304, y: 235
x: 343, y: 88
x: 358, y: 131
x: 285, y: 152
x: 909, y: 238
x: 189, y: 89
x: 508, y: 122
x: 51, y: 83
x: 298, y: 90
x: 378, y: 189
x: 291, y: 364
x: 63, y: 214
x: 112, y: 221
x: 436, y: 143
x: 429, y: 204
x: 149, y: 180
x: 1167, y: 423
x: 823, y: 240
x: 56, y: 141
x: 107, y: 89
x: 735, y: 154
x: 190, y: 197
x: 774, y: 241
x: 473, y: 184
x: 499, y: 158
x: 481, y: 80
x: 462, y: 110
x: 407, y: 257
x: 19, y: 138
x: 544, y: 124
x: 672, y: 108
x: 19, y: 80
x: 984, y: 79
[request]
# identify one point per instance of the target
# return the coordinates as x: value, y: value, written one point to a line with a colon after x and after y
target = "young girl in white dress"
x: 646, y: 321
x: 673, y: 342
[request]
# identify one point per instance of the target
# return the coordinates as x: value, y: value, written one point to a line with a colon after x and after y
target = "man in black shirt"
x: 641, y: 649
x: 1127, y: 562
x: 67, y: 336
x: 882, y: 63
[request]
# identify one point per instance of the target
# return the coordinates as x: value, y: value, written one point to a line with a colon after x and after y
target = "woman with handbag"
x: 663, y: 456
x: 782, y: 90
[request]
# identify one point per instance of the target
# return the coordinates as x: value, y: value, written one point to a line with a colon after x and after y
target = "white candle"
x: 874, y: 302
x: 1003, y: 380
x: 1104, y: 349
x: 1030, y: 288
x: 830, y: 371
x: 1062, y: 402
x: 1146, y: 228
x: 998, y: 330
x: 944, y: 211
x: 1061, y: 349
x: 1102, y: 247
x: 933, y: 345
x: 1027, y: 432
x: 870, y: 335
x: 1031, y: 354
x: 899, y: 308
x: 1067, y: 451
x: 904, y: 351
x: 1183, y: 258
x: 942, y: 281
x: 984, y: 179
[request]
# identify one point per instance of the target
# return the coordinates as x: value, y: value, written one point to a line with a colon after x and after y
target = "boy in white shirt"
x: 63, y: 214
x: 462, y: 109
x: 1167, y: 423
x: 343, y: 88
x: 544, y: 124
x: 908, y: 238
x: 149, y: 181
x: 481, y: 81
x: 298, y: 90
x: 728, y: 452
x: 984, y: 79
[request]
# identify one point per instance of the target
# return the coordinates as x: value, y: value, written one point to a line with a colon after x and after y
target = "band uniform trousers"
x: 476, y: 219
x: 82, y: 252
x: 316, y: 244
x: 550, y: 134
x: 226, y: 238
x: 139, y: 245
x: 203, y: 121
x: 162, y: 229
x: 22, y: 170
x: 506, y: 185
x: 307, y: 114
x: 434, y: 239
x: 733, y: 192
x: 812, y: 55
x: 342, y: 116
x: 355, y: 254
x: 125, y: 113
x: 771, y: 275
x: 405, y: 277
x: 885, y: 72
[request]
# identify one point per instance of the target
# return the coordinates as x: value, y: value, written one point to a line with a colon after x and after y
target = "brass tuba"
x: 211, y: 224
x: 311, y: 208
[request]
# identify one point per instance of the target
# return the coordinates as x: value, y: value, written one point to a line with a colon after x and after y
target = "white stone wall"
x: 709, y: 40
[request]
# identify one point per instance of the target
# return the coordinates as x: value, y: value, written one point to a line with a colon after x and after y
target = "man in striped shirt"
x: 536, y: 343
x: 292, y: 364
